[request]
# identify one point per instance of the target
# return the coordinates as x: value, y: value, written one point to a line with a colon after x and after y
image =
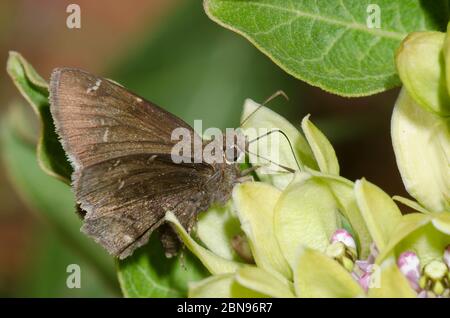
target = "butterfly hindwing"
x: 126, y: 198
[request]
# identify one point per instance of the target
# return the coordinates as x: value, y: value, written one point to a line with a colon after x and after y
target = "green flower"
x: 259, y: 120
x: 420, y: 122
x: 421, y: 142
x: 315, y: 234
x: 413, y: 262
x: 416, y: 254
x: 313, y: 237
x: 284, y: 246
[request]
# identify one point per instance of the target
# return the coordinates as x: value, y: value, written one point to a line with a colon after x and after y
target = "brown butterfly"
x: 124, y: 178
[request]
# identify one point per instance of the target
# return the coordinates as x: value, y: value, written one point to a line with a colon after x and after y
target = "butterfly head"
x: 235, y: 146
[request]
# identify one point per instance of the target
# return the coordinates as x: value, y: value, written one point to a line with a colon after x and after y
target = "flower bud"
x: 420, y: 67
x: 345, y: 237
x: 434, y: 278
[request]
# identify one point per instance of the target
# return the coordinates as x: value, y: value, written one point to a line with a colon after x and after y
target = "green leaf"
x: 328, y: 43
x: 211, y: 79
x: 148, y: 273
x: 50, y: 154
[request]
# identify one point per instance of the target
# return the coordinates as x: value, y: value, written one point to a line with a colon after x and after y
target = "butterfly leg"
x: 185, y: 212
x: 169, y: 240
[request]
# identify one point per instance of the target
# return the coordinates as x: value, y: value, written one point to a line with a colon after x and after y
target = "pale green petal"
x: 410, y: 203
x: 262, y: 281
x: 216, y: 229
x: 217, y: 286
x: 422, y: 70
x: 389, y: 282
x: 221, y: 286
x: 262, y: 121
x: 322, y: 149
x: 344, y: 194
x: 215, y: 264
x: 306, y: 214
x: 316, y: 275
x: 441, y: 221
x: 421, y: 143
x: 408, y: 224
x: 255, y: 203
x: 379, y: 211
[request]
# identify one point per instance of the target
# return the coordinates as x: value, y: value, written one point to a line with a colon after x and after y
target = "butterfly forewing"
x: 98, y: 119
x: 120, y: 146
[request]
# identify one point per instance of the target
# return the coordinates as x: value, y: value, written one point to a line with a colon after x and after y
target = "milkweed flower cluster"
x: 314, y: 233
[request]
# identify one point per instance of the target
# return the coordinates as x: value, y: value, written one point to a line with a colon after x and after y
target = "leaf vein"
x: 353, y: 25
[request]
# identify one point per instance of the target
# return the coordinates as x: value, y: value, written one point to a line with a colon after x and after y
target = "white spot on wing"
x: 139, y: 100
x: 105, y: 135
x: 151, y: 159
x: 127, y: 238
x: 95, y: 87
x: 121, y: 184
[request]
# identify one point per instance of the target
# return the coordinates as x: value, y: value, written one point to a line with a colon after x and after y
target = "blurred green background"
x: 169, y: 52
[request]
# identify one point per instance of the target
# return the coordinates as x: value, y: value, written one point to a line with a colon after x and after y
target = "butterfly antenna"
x: 290, y: 146
x: 271, y: 162
x: 268, y: 100
x: 275, y: 95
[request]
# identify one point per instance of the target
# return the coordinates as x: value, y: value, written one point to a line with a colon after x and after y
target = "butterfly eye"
x: 230, y: 154
x: 235, y: 146
x: 233, y: 154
